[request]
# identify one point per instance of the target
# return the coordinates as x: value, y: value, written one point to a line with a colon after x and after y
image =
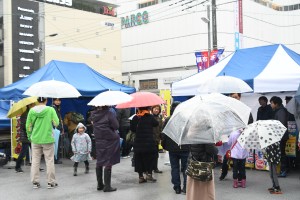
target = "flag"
x: 201, y: 58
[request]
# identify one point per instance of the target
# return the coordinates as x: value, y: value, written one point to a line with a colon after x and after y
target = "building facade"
x: 162, y: 49
x: 32, y: 33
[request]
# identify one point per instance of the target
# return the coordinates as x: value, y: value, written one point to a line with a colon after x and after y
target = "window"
x: 148, y: 84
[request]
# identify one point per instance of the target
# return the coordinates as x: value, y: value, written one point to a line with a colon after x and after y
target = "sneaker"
x: 19, y: 170
x: 124, y: 157
x: 36, y: 185
x: 271, y: 189
x: 57, y: 162
x: 52, y: 185
x: 28, y: 164
x: 282, y: 174
x: 42, y: 170
x: 222, y: 177
x: 276, y: 191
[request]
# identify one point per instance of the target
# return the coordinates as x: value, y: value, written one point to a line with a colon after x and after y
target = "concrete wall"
x: 83, y: 37
x: 172, y: 36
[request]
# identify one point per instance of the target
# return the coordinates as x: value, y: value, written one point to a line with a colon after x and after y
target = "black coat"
x: 169, y: 145
x: 203, y: 152
x: 22, y: 129
x: 144, y: 139
x: 265, y: 113
x: 106, y: 138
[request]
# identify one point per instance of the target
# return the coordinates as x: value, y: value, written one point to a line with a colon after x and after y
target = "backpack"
x: 77, y: 117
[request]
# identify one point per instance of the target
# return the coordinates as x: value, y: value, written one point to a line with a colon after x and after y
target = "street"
x: 15, y: 186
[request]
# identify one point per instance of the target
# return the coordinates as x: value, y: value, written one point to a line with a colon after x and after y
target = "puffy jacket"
x: 203, y: 152
x: 22, y: 130
x: 281, y: 114
x: 39, y: 124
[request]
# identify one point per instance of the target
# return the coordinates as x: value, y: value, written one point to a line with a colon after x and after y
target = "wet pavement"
x: 15, y: 186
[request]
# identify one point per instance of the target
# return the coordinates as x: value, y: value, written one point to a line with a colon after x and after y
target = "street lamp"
x: 41, y: 47
x: 207, y: 20
x: 41, y: 43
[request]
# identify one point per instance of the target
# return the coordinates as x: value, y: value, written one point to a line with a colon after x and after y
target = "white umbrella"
x: 110, y: 98
x: 261, y: 134
x: 52, y: 89
x: 224, y: 84
x: 205, y: 118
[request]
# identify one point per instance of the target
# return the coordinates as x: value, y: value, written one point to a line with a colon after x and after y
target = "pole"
x: 208, y: 27
x: 214, y: 25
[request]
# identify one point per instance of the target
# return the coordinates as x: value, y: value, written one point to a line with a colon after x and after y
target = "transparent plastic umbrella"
x: 205, y: 118
x: 224, y: 84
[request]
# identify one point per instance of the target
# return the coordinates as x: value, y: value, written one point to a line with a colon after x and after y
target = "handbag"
x: 228, y: 152
x: 200, y: 171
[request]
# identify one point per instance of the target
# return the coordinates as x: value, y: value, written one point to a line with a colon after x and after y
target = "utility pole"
x: 208, y: 27
x: 214, y: 24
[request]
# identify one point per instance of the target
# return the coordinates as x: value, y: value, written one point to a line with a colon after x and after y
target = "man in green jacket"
x: 39, y: 126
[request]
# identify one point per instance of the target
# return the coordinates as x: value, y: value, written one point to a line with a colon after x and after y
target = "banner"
x: 291, y: 144
x: 201, y: 58
x: 165, y: 108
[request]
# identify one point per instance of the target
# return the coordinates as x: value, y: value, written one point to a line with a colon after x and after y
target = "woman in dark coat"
x: 145, y: 148
x: 195, y: 188
x: 107, y: 141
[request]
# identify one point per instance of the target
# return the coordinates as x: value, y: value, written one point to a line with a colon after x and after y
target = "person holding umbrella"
x: 107, y: 141
x: 39, y: 126
x: 145, y: 147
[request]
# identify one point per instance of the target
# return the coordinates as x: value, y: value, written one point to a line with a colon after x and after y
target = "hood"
x: 80, y: 125
x: 40, y: 110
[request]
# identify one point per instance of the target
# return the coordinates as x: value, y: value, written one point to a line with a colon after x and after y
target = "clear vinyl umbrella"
x: 204, y: 119
x: 225, y: 85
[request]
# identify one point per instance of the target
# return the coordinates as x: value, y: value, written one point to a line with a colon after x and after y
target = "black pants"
x: 284, y: 161
x: 24, y: 152
x: 239, y: 169
x: 85, y: 162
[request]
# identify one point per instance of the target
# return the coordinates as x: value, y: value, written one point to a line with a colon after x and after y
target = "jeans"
x: 24, y: 152
x: 175, y: 157
x: 239, y: 169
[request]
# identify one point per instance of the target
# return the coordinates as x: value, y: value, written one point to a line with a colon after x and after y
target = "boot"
x: 107, y: 181
x: 235, y: 183
x: 243, y: 183
x: 75, y: 171
x: 99, y: 173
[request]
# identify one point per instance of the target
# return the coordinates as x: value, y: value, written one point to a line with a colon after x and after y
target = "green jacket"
x: 39, y: 124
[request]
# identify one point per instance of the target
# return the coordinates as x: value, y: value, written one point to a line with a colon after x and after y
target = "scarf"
x: 141, y: 113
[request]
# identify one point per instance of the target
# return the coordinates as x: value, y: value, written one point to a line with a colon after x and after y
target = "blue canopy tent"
x: 4, y: 121
x: 86, y: 80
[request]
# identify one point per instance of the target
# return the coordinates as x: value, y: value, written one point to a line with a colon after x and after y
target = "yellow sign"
x: 165, y: 108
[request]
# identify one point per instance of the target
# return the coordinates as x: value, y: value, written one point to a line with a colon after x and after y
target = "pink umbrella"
x: 142, y: 99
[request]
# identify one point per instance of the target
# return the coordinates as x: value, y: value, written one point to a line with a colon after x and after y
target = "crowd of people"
x: 101, y: 138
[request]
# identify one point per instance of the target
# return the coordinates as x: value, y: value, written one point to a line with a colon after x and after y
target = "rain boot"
x: 99, y: 173
x: 235, y: 183
x: 75, y: 171
x: 107, y: 181
x: 243, y: 183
